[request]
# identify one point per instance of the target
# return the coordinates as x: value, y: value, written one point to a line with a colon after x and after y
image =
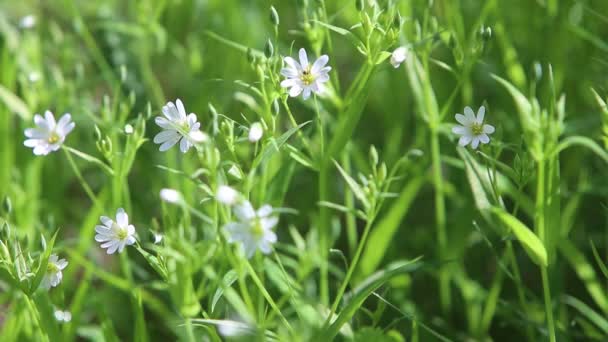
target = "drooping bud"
x: 274, y: 16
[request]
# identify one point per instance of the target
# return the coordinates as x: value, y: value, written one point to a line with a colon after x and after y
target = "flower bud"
x: 274, y: 16
x: 227, y: 195
x: 250, y: 56
x: 7, y: 206
x: 373, y: 155
x: 268, y: 49
x: 360, y: 5
x: 170, y: 196
x: 255, y: 132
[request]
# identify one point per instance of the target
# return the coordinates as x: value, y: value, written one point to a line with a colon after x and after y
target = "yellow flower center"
x: 477, y: 129
x: 307, y: 78
x: 256, y: 230
x: 121, y: 233
x: 51, y: 268
x: 53, y: 138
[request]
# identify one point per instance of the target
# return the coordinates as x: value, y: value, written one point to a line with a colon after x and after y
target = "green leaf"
x: 42, y: 264
x: 382, y: 235
x: 14, y: 103
x: 355, y: 299
x: 229, y: 278
x: 354, y: 186
x: 598, y: 319
x: 585, y: 272
x: 531, y: 243
x: 341, y: 31
x: 584, y: 142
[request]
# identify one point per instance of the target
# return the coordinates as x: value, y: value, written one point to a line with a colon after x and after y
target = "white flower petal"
x: 122, y: 218
x: 319, y: 64
x: 169, y: 143
x: 470, y: 115
x: 165, y: 136
x: 244, y: 211
x: 180, y: 108
x: 459, y: 130
x: 484, y: 138
x: 480, y: 114
x: 464, y: 140
x: 475, y: 142
x: 488, y: 129
x: 303, y: 58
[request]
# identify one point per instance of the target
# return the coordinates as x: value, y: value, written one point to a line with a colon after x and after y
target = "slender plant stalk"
x: 444, y: 281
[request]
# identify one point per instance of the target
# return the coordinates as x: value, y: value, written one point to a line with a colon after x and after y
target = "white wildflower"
x: 170, y: 196
x: 63, y: 316
x: 253, y: 229
x: 27, y: 22
x: 33, y: 77
x: 178, y: 126
x: 50, y: 134
x: 53, y: 275
x: 115, y: 235
x: 128, y: 129
x: 303, y: 77
x: 473, y: 130
x: 399, y: 56
x: 158, y: 238
x: 227, y: 195
x: 255, y: 132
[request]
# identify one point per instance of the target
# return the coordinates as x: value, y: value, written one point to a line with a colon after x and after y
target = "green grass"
x: 388, y: 229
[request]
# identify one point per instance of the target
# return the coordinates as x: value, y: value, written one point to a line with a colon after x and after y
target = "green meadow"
x: 304, y: 170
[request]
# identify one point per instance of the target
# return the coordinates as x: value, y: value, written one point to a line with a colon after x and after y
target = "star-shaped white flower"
x: 473, y: 130
x: 53, y: 275
x: 177, y: 126
x: 50, y: 134
x: 304, y: 78
x: 399, y: 56
x: 115, y: 235
x: 253, y: 229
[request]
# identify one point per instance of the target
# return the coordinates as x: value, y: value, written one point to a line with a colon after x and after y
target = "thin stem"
x: 351, y: 269
x: 540, y: 230
x: 83, y: 183
x: 444, y: 281
x: 548, y: 306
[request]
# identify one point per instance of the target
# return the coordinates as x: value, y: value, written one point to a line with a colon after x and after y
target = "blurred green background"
x: 80, y: 56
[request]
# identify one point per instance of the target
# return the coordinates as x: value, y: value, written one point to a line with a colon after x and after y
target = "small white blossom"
x: 115, y: 235
x: 227, y: 195
x: 63, y: 316
x: 473, y: 130
x: 255, y: 132
x: 178, y: 127
x: 231, y: 328
x: 128, y: 129
x: 253, y: 229
x: 50, y: 134
x: 53, y: 275
x: 303, y: 77
x: 27, y: 22
x: 33, y: 77
x: 170, y: 196
x: 158, y: 238
x: 399, y: 56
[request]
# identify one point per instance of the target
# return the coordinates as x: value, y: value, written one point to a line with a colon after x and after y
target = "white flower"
x: 28, y: 21
x: 253, y: 229
x: 115, y: 235
x: 304, y: 77
x: 170, y: 196
x: 178, y: 126
x: 128, y: 129
x: 227, y: 195
x: 399, y: 56
x: 53, y: 275
x: 255, y: 132
x: 473, y: 130
x: 33, y: 77
x: 158, y: 238
x: 63, y: 316
x: 50, y: 134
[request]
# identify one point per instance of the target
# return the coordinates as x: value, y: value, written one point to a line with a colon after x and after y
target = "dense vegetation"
x: 367, y: 170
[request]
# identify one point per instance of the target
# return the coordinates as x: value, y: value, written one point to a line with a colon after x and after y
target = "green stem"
x: 444, y: 281
x: 540, y: 230
x: 548, y: 306
x: 351, y: 269
x: 83, y: 183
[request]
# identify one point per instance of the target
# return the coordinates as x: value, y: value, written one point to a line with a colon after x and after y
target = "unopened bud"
x: 274, y: 16
x: 268, y: 49
x: 7, y: 205
x: 373, y: 155
x: 360, y: 5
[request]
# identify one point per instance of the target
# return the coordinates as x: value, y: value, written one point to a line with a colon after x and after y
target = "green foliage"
x: 387, y: 229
